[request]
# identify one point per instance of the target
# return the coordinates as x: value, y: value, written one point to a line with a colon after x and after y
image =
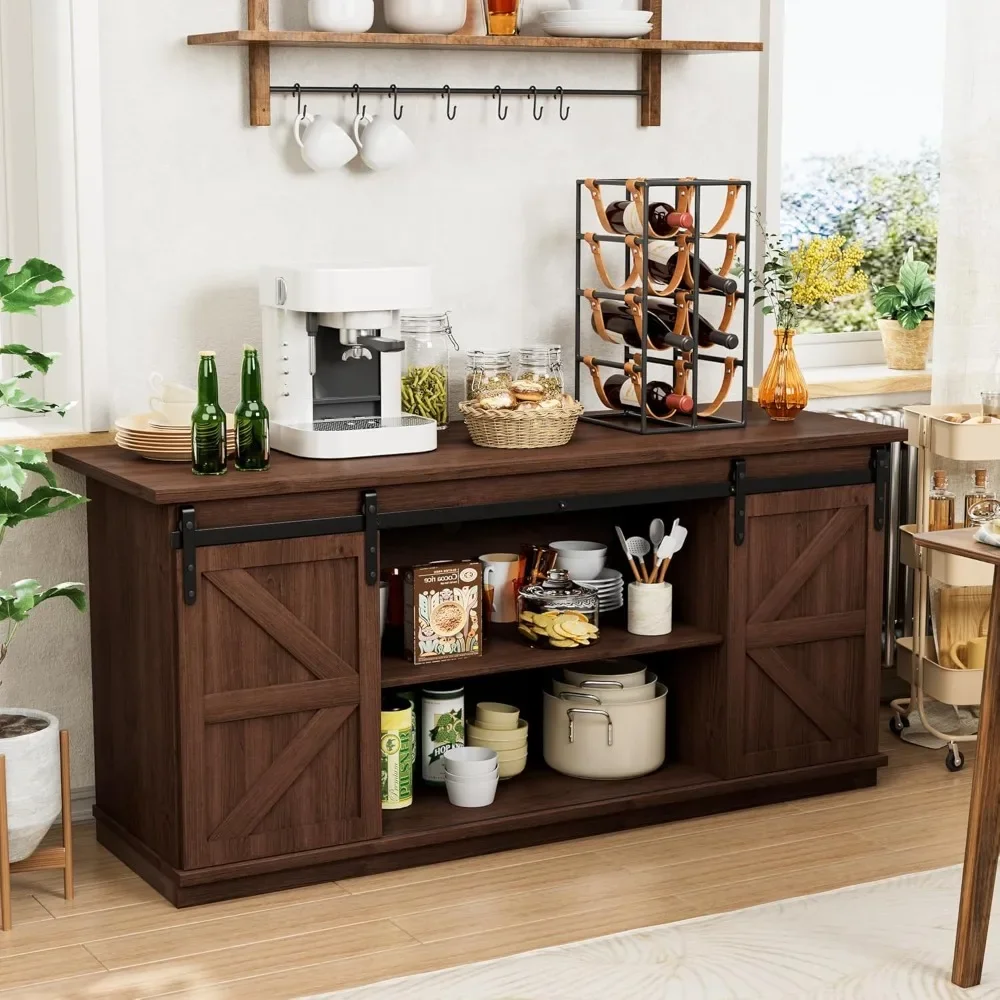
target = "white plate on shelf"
x: 594, y: 31
x: 639, y: 17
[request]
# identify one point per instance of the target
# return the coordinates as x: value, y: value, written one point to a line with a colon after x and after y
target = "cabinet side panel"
x: 134, y: 657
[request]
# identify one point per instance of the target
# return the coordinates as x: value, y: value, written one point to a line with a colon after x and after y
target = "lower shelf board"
x: 505, y: 651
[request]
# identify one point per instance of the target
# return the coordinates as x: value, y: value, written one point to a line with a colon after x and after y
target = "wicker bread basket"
x: 520, y: 428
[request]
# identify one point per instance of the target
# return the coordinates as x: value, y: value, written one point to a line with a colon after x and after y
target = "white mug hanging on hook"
x: 382, y: 142
x: 324, y: 144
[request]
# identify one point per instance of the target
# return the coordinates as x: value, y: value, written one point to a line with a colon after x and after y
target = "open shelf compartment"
x: 926, y: 427
x: 945, y: 567
x: 944, y: 684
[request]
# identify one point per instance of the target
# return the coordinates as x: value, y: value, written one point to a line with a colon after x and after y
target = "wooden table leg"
x: 983, y: 841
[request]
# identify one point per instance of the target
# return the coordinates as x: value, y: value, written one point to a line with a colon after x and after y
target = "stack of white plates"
x: 161, y: 443
x: 597, y: 23
x: 610, y: 589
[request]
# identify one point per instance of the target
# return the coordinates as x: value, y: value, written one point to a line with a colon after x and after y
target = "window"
x: 862, y: 91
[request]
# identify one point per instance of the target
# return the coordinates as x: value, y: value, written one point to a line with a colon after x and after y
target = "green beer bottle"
x: 208, y: 422
x: 253, y: 446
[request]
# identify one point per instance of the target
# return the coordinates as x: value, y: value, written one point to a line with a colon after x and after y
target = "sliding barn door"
x: 807, y: 591
x: 279, y: 681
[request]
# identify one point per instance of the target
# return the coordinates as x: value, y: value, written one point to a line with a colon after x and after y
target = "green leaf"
x: 12, y: 476
x: 910, y: 318
x: 75, y: 592
x: 19, y: 292
x: 915, y: 282
x: 28, y: 595
x: 12, y: 395
x: 40, y: 361
x: 40, y: 502
x: 888, y: 300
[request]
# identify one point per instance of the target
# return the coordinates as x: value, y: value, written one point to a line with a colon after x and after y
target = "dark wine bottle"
x: 618, y: 320
x: 660, y: 396
x: 663, y: 218
x: 706, y: 277
x: 707, y: 334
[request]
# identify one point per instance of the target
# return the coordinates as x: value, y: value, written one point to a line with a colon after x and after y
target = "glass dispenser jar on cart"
x: 558, y: 612
x: 424, y: 387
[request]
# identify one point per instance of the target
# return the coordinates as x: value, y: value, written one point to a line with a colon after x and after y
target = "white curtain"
x: 967, y: 321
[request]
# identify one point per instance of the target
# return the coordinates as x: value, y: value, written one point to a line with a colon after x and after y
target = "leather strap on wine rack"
x: 682, y: 271
x: 595, y: 304
x: 720, y: 396
x: 731, y: 242
x: 595, y: 374
x: 635, y: 308
x: 727, y: 316
x: 633, y: 244
x: 684, y: 196
x: 682, y: 324
x: 633, y: 369
x: 732, y: 191
x: 595, y: 193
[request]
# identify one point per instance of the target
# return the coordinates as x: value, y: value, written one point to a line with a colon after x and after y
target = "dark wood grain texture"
x: 593, y: 449
x: 259, y: 63
x: 651, y: 71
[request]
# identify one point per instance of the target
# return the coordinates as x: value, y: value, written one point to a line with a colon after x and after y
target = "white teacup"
x: 171, y: 413
x: 172, y: 392
x: 383, y: 143
x: 325, y: 146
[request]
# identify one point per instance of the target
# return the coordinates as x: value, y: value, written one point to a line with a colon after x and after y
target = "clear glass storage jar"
x: 486, y: 370
x: 424, y: 388
x: 542, y: 363
x: 558, y: 612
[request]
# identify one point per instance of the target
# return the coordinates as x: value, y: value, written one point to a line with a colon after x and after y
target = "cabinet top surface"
x: 456, y: 458
x: 959, y: 542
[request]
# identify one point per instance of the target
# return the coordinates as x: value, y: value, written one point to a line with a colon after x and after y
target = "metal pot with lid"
x: 558, y: 612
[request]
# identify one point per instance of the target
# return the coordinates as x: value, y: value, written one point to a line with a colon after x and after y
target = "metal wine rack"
x: 681, y: 368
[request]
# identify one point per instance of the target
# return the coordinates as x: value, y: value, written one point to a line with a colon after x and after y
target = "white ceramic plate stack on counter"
x: 584, y: 561
x: 160, y: 442
x: 597, y: 19
x: 605, y: 720
x: 500, y: 728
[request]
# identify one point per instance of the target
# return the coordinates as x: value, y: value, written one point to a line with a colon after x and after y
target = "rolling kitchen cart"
x: 934, y: 437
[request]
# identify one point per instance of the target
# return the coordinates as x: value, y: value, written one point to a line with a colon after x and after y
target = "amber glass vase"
x: 783, y: 392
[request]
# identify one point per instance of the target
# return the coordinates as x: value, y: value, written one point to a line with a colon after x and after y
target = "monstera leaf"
x: 19, y: 292
x: 12, y: 395
x: 17, y: 604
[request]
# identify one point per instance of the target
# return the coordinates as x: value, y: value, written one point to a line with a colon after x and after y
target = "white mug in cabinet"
x: 500, y: 585
x: 650, y: 608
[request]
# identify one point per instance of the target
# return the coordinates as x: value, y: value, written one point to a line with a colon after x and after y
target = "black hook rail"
x: 449, y: 93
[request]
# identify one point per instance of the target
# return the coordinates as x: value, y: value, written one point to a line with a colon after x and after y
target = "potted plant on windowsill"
x: 906, y: 309
x: 29, y: 738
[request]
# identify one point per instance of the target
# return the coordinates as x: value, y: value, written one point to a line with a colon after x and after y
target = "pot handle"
x: 570, y: 712
x: 602, y: 684
x: 566, y: 695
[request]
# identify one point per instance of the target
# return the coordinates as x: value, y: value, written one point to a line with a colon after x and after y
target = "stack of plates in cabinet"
x: 161, y: 443
x: 610, y: 589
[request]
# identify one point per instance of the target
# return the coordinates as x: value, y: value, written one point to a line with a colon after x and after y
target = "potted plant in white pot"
x: 29, y: 738
x: 906, y: 309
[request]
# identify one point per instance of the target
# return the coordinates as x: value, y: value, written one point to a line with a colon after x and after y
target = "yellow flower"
x: 825, y: 269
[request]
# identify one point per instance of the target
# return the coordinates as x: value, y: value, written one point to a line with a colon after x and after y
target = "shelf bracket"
x: 880, y: 474
x: 189, y: 563
x: 737, y: 489
x: 259, y: 63
x: 369, y: 514
x: 650, y: 71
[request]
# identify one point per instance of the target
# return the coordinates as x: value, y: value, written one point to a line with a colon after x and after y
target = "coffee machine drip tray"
x: 356, y: 437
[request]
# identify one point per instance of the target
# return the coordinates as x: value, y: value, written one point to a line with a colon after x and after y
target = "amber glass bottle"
x: 940, y: 504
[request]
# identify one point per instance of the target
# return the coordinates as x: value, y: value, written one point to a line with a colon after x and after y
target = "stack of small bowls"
x: 499, y: 727
x: 470, y: 776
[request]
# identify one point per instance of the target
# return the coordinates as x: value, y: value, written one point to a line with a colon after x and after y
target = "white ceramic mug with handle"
x: 325, y: 145
x: 382, y: 142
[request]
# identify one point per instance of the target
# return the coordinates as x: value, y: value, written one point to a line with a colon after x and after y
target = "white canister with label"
x: 650, y: 608
x: 442, y: 726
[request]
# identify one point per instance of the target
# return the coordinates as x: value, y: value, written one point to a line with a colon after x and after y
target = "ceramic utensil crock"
x: 650, y: 608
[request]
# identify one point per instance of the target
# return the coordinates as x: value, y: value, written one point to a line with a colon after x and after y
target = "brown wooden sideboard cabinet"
x: 237, y: 672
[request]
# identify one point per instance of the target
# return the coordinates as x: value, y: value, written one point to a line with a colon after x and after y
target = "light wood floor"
x: 120, y: 940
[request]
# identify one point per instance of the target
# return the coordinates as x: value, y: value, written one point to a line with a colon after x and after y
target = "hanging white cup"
x: 325, y: 145
x: 382, y: 142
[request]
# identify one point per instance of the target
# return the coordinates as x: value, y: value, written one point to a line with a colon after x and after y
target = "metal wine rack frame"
x: 646, y: 360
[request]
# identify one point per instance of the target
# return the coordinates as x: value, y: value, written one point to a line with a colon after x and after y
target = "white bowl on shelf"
x: 580, y: 559
x: 474, y: 762
x: 433, y: 17
x: 471, y: 793
x: 341, y: 16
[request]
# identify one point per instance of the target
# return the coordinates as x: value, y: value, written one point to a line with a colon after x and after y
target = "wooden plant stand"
x: 44, y: 857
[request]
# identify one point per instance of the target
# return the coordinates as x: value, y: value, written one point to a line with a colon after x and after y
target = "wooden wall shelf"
x: 259, y: 38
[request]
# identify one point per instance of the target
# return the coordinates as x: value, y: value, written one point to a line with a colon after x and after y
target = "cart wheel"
x: 898, y: 723
x: 954, y: 760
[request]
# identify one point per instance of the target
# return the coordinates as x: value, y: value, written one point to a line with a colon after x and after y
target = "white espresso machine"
x: 331, y: 365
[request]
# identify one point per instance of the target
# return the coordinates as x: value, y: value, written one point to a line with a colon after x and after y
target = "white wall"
x: 196, y: 200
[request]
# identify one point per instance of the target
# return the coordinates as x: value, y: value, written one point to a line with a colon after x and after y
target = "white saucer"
x: 595, y: 31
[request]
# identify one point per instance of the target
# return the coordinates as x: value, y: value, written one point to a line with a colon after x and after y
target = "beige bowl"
x: 509, y: 768
x: 496, y: 715
x: 511, y: 755
x: 497, y: 739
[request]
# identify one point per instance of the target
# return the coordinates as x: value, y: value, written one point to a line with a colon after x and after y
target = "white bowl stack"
x: 470, y: 776
x: 610, y: 587
x: 597, y: 19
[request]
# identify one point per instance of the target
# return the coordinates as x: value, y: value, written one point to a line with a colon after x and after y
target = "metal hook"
x: 358, y: 109
x: 297, y: 91
x: 563, y: 115
x: 397, y: 112
x: 536, y: 111
x: 498, y: 94
x: 449, y: 110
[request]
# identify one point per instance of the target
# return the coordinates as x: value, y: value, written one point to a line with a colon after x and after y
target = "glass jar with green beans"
x: 424, y: 388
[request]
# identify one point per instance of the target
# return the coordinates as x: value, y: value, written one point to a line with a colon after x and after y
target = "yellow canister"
x: 396, y: 752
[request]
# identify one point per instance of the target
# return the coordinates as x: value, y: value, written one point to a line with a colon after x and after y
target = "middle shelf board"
x: 504, y: 652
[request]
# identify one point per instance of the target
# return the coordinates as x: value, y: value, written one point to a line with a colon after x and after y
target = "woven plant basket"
x: 906, y: 350
x: 520, y: 428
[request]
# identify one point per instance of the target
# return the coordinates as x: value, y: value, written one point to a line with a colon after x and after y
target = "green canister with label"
x: 396, y: 752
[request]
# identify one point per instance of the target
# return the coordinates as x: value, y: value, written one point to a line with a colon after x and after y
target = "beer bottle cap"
x: 250, y: 347
x: 206, y: 354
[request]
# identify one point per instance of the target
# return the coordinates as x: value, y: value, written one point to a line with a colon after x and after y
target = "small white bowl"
x: 583, y: 560
x: 471, y: 796
x: 342, y: 16
x: 470, y: 761
x: 416, y: 17
x: 483, y: 778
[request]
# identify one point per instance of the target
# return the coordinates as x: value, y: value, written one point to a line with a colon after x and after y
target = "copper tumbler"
x: 502, y: 16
